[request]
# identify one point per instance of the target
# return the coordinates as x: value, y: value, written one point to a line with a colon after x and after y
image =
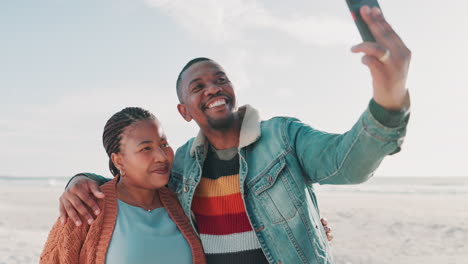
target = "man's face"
x: 207, y: 96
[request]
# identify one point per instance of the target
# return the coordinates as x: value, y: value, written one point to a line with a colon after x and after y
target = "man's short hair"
x: 190, y: 63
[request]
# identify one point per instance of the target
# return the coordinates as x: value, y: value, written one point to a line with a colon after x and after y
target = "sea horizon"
x: 377, y: 184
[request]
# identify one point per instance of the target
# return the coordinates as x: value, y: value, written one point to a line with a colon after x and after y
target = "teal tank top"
x: 142, y: 237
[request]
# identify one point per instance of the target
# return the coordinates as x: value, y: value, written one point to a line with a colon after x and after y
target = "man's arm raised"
x: 353, y: 157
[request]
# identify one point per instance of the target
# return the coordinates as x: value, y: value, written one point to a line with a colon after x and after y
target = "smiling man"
x: 215, y: 112
x: 247, y: 184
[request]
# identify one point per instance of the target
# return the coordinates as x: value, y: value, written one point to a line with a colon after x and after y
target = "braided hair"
x: 116, y: 125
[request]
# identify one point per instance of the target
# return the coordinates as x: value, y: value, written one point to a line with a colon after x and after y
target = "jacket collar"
x: 250, y: 130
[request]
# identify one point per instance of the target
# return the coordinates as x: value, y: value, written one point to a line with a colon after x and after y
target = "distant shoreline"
x: 377, y: 185
x: 33, y: 178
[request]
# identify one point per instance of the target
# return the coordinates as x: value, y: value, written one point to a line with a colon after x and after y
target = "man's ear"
x: 184, y: 112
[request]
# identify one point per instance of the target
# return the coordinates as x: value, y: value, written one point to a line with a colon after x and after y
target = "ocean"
x: 377, y: 184
x: 404, y: 185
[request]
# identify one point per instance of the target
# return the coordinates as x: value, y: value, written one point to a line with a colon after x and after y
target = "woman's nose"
x: 160, y: 155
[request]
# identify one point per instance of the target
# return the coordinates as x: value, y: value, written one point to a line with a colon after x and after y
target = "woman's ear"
x: 117, y: 160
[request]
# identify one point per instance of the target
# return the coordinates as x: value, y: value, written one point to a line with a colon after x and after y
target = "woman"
x: 142, y: 221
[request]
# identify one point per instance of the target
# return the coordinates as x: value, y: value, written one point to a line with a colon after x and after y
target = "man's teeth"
x: 217, y: 103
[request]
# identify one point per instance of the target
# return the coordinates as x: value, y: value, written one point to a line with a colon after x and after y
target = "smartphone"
x: 354, y: 6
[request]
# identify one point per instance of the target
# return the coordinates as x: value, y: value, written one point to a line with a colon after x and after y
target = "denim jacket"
x: 280, y: 159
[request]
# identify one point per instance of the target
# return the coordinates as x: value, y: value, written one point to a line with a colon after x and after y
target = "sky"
x: 67, y: 66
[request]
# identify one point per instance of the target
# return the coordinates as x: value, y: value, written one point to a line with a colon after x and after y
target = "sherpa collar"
x: 250, y: 130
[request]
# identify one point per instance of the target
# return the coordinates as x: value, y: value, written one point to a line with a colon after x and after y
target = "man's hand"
x: 388, y: 60
x: 328, y: 230
x: 77, y: 200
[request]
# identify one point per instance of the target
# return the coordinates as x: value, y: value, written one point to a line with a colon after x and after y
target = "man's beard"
x: 223, y: 123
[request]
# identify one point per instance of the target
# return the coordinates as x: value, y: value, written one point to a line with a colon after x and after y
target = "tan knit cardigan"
x: 69, y: 244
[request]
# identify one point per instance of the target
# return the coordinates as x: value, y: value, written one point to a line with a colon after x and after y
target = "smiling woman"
x: 140, y: 159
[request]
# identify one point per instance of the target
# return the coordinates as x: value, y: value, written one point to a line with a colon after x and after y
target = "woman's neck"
x: 147, y: 199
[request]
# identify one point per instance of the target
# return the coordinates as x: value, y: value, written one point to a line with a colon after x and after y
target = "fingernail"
x: 96, y: 212
x: 62, y: 220
x: 78, y: 223
x: 367, y: 10
x: 375, y: 11
x: 90, y: 221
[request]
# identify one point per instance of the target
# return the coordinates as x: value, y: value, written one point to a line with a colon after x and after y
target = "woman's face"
x: 145, y: 157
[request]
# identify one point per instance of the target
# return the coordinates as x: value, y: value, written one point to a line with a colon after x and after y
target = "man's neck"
x: 226, y: 138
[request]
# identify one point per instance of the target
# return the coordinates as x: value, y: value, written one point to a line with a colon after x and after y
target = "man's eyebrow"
x: 198, y: 79
x: 194, y: 80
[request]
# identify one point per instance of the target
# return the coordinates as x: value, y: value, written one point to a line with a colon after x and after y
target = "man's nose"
x: 212, y: 89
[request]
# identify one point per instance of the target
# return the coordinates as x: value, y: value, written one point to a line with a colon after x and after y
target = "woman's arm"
x: 64, y: 243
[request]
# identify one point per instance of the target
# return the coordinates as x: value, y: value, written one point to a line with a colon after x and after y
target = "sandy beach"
x: 377, y: 223
x: 397, y: 228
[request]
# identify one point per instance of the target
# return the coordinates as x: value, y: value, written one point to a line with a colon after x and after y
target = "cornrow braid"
x: 116, y: 125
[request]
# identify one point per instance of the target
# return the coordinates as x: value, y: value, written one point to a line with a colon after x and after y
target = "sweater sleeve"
x: 64, y: 243
x: 387, y: 117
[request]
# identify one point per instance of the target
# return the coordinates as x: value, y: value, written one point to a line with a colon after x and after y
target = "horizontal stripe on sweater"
x: 221, y: 186
x: 229, y: 204
x: 213, y: 244
x: 223, y: 224
x: 255, y: 256
x: 215, y: 168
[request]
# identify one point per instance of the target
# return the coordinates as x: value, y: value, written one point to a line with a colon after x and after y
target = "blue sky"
x: 67, y: 66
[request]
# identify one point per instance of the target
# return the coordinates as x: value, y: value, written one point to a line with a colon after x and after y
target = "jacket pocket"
x: 274, y: 192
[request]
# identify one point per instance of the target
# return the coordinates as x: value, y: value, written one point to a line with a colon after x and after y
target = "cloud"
x: 225, y: 21
x: 253, y: 34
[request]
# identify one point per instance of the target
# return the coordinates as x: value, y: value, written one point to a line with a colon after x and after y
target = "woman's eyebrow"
x: 145, y: 142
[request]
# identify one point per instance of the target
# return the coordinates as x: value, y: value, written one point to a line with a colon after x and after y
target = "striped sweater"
x: 224, y: 228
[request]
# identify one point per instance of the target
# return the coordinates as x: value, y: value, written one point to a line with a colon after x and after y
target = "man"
x: 247, y: 184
